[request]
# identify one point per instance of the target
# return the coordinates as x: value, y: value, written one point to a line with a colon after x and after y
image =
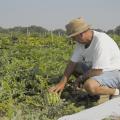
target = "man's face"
x: 81, y: 38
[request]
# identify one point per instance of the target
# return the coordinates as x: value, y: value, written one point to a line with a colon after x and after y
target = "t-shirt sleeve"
x: 76, y: 56
x: 101, y: 57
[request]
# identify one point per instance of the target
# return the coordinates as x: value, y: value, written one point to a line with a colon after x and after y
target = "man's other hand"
x: 58, y: 88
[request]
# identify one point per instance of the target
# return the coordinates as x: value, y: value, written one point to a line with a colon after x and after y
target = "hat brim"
x: 76, y: 33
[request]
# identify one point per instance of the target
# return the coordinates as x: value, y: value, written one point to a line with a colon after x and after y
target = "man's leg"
x: 93, y: 87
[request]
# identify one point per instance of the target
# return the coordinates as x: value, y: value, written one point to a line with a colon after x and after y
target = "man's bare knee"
x: 91, y: 86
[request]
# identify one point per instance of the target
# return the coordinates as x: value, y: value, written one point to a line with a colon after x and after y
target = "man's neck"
x: 90, y: 39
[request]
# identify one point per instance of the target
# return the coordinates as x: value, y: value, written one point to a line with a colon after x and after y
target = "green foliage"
x: 28, y: 68
x: 116, y: 38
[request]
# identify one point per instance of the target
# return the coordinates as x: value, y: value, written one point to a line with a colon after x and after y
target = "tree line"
x: 39, y: 29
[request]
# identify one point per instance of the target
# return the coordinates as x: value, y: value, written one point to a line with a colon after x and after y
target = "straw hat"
x: 76, y: 26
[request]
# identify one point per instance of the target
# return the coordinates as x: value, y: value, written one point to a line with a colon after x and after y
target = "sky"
x: 55, y: 14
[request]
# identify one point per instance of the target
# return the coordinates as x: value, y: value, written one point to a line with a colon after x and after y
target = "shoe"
x: 113, y: 96
x: 117, y: 91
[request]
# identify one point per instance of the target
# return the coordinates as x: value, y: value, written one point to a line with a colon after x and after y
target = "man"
x: 97, y: 56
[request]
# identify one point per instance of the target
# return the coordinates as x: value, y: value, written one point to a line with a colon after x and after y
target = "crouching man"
x: 97, y: 56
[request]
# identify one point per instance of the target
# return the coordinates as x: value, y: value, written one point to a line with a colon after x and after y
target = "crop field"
x: 29, y: 65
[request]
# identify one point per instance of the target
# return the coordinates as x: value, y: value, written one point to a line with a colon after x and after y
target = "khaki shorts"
x: 107, y: 78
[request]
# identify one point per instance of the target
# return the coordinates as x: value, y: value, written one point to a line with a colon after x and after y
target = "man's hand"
x: 59, y: 87
x: 67, y: 73
x: 79, y: 82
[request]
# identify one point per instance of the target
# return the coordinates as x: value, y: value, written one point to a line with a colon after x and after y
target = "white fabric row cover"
x: 104, y: 110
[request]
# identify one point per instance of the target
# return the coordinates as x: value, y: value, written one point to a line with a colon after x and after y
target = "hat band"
x: 79, y: 30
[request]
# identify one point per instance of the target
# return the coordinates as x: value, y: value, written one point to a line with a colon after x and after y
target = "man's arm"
x: 67, y: 73
x: 82, y: 78
x: 91, y: 73
x: 69, y: 70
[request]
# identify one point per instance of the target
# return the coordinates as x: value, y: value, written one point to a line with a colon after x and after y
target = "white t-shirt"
x: 103, y: 53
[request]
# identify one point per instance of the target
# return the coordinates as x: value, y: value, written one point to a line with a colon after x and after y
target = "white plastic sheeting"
x: 111, y: 107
